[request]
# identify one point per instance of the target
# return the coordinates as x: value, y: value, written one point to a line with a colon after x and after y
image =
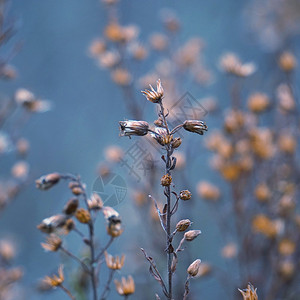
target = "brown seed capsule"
x: 95, y: 202
x: 166, y: 180
x: 132, y: 127
x: 194, y: 268
x: 195, y: 126
x: 176, y: 143
x: 48, y: 181
x: 191, y: 235
x: 185, y: 195
x: 83, y: 216
x: 77, y: 191
x: 71, y: 206
x: 183, y: 225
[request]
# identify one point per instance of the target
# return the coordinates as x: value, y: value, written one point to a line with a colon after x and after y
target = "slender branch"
x: 67, y: 292
x: 104, y: 249
x: 84, y: 266
x: 186, y: 287
x: 175, y: 129
x: 107, y: 286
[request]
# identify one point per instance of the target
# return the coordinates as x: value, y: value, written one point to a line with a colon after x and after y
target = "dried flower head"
x: 191, y: 235
x: 195, y: 126
x: 166, y: 180
x: 262, y: 192
x: 258, y: 102
x: 183, y: 225
x: 48, y: 181
x: 176, y: 143
x: 7, y: 250
x: 53, y: 224
x: 287, y: 61
x: 193, y: 269
x: 249, y: 293
x: 131, y: 127
x: 114, y: 153
x: 71, y: 206
x: 114, y: 263
x: 95, y: 203
x: 83, y: 215
x: 229, y: 250
x: 53, y: 243
x: 114, y: 227
x: 185, y: 195
x: 286, y: 268
x: 286, y: 247
x: 286, y: 99
x: 161, y: 135
x: 125, y: 287
x: 55, y: 280
x: 287, y: 143
x: 231, y: 64
x: 121, y: 76
x: 264, y: 225
x: 208, y: 191
x: 159, y: 41
x: 97, y: 47
x: 155, y: 96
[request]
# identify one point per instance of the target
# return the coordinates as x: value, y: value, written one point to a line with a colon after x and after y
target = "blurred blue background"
x: 54, y: 63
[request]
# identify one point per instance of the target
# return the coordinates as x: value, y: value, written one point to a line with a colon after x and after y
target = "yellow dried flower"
x: 114, y: 263
x: 249, y: 293
x: 125, y: 287
x: 287, y: 61
x: 287, y: 143
x: 264, y: 225
x: 208, y: 191
x: 262, y: 192
x: 258, y: 102
x: 55, y: 280
x: 121, y: 77
x: 83, y: 215
x: 53, y: 243
x: 286, y: 247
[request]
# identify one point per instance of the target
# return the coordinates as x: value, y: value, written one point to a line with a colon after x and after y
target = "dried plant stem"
x: 104, y: 249
x: 107, y: 286
x: 186, y: 287
x: 84, y: 266
x: 168, y: 225
x: 67, y: 292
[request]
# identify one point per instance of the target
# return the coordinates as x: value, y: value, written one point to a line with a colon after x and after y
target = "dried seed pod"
x: 183, y: 225
x: 191, y: 235
x: 53, y: 243
x: 83, y: 215
x: 166, y: 180
x: 71, y: 206
x: 185, y: 195
x: 48, y: 181
x: 195, y: 126
x: 193, y: 269
x: 77, y: 191
x: 132, y: 127
x: 176, y: 143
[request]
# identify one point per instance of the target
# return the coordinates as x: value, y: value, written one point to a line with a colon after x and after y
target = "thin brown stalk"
x: 67, y: 292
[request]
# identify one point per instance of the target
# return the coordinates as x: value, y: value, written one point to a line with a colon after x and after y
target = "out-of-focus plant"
x: 14, y: 113
x: 164, y: 136
x: 70, y: 220
x: 257, y: 155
